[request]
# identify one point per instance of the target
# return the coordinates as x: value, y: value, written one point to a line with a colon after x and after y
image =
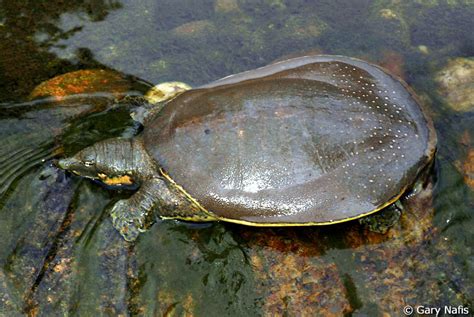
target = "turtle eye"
x: 88, y: 163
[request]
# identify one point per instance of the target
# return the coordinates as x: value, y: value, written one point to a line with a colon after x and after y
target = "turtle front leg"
x: 156, y: 198
x: 135, y: 215
x: 117, y: 162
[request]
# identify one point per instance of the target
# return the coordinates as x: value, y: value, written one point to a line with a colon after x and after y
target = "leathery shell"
x: 311, y: 140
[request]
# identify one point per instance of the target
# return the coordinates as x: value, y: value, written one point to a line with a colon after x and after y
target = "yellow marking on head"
x: 117, y: 180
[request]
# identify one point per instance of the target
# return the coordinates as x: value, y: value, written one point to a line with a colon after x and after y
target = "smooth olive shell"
x: 311, y: 140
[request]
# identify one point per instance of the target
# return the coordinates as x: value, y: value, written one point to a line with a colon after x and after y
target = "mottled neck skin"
x: 118, y: 162
x: 114, y: 161
x: 116, y: 156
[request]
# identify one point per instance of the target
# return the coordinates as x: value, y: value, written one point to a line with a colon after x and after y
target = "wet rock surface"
x: 291, y: 275
x: 82, y: 82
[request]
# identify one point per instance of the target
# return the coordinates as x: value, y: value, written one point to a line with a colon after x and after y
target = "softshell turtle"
x: 314, y: 140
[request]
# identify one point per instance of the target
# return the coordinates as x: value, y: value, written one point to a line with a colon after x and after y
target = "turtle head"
x: 84, y: 163
x: 110, y: 161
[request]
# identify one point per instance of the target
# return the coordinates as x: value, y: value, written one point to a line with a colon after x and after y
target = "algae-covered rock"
x: 292, y: 276
x: 387, y: 21
x: 456, y: 84
x: 301, y: 26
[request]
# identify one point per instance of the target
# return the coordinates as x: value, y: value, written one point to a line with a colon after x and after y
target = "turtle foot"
x: 383, y: 220
x: 130, y: 220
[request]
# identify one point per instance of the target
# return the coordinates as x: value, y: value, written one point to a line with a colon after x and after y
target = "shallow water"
x: 58, y: 251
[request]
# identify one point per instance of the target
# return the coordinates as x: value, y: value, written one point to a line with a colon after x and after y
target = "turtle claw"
x: 127, y: 230
x: 129, y: 220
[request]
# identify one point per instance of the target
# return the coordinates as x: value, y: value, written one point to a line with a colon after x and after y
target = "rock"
x: 465, y: 165
x: 423, y: 49
x: 404, y: 266
x: 467, y: 169
x: 292, y: 277
x: 388, y: 22
x: 303, y: 27
x: 194, y: 28
x: 277, y: 4
x: 30, y: 238
x: 388, y: 14
x: 456, y: 82
x: 165, y: 91
x: 224, y: 6
x: 394, y: 63
x: 155, y: 98
x: 82, y: 82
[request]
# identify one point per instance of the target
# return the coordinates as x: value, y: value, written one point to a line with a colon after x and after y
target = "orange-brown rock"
x: 468, y: 169
x: 292, y: 276
x: 82, y: 82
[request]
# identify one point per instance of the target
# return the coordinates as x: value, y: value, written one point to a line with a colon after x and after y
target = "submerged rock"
x: 292, y: 275
x: 194, y: 28
x: 468, y: 169
x: 225, y: 6
x: 301, y: 26
x: 394, y: 62
x: 466, y: 166
x: 456, y: 82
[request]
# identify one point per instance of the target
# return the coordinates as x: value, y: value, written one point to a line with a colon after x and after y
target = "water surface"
x: 58, y: 251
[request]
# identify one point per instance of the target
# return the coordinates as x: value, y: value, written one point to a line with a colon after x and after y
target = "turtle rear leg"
x: 383, y: 220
